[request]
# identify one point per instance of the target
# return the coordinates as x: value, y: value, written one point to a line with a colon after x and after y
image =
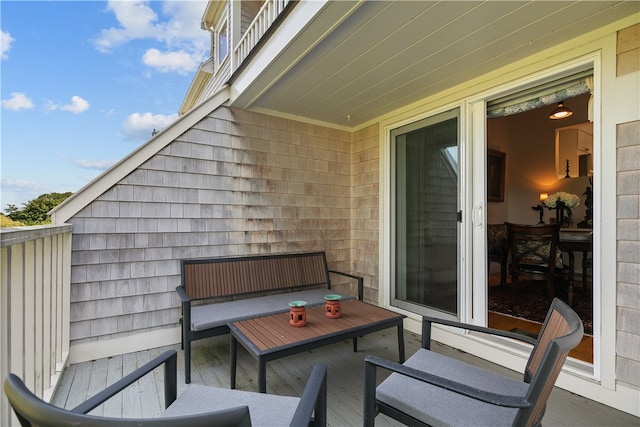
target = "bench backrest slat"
x: 220, y: 277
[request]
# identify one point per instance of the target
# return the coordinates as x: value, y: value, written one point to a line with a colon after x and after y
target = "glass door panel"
x: 425, y: 235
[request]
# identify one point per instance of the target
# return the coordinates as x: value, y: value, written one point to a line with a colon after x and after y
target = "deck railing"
x: 34, y: 308
x: 268, y: 13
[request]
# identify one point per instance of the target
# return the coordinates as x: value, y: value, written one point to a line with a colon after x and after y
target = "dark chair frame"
x: 498, y: 248
x: 32, y: 411
x: 562, y: 331
x: 526, y: 266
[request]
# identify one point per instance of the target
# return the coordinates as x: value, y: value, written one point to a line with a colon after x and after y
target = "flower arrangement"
x: 562, y: 202
x: 567, y: 200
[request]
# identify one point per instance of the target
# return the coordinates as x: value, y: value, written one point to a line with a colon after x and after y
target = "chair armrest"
x: 426, y: 330
x: 360, y: 282
x: 314, y: 397
x: 508, y: 401
x: 168, y: 358
x: 182, y: 294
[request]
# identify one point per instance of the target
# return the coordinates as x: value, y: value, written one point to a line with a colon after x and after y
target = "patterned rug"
x: 532, y: 304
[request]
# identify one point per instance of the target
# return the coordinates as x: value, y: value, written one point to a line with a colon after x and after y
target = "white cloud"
x: 5, y: 44
x: 165, y: 62
x: 176, y: 25
x: 100, y: 165
x: 139, y: 126
x: 18, y: 191
x: 18, y: 101
x: 22, y: 185
x: 136, y: 20
x: 78, y: 105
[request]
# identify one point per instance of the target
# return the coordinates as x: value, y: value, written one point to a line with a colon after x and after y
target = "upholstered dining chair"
x: 197, y: 406
x: 437, y: 390
x: 535, y: 256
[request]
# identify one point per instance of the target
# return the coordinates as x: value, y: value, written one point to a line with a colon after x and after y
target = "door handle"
x: 477, y: 216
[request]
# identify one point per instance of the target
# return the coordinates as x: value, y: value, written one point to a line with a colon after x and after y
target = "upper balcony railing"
x: 267, y: 15
x: 34, y: 308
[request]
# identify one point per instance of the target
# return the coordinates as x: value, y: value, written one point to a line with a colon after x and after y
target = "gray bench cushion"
x: 208, y: 316
x: 265, y: 409
x: 440, y: 407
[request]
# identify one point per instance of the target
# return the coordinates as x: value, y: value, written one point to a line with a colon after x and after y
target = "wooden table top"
x: 270, y: 332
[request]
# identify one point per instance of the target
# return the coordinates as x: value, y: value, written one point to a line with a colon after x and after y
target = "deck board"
x: 287, y: 376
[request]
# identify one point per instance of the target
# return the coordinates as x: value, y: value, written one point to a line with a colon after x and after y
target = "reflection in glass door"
x: 425, y: 224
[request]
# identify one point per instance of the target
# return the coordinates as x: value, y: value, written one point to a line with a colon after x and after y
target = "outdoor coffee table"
x: 270, y: 337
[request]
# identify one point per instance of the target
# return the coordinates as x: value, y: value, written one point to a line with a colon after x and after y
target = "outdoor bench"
x: 227, y: 290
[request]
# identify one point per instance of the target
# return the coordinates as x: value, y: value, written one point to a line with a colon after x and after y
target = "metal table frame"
x: 314, y: 314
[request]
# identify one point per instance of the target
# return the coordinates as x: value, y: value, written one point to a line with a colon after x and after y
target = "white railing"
x: 34, y: 308
x: 259, y: 26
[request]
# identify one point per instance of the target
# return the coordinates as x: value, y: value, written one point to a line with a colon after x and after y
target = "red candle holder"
x: 332, y: 308
x: 297, y: 313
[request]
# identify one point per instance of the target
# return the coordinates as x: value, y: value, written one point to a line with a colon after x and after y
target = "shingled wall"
x: 236, y: 183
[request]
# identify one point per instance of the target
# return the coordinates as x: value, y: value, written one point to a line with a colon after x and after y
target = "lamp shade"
x: 561, y: 112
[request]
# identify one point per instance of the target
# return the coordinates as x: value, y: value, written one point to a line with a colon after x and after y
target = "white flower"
x: 569, y: 200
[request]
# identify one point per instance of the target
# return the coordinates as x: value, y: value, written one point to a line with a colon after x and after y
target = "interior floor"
x: 584, y: 351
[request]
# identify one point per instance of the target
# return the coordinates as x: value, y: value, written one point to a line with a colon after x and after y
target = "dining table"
x: 579, y: 240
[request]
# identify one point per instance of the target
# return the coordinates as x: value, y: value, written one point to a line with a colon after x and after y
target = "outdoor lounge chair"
x: 197, y: 406
x: 433, y: 389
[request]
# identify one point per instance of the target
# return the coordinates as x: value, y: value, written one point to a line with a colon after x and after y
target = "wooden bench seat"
x: 231, y: 289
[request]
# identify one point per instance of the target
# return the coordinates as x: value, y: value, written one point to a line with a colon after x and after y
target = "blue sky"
x: 84, y: 83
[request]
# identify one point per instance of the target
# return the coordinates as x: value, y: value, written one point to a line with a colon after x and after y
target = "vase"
x: 560, y: 218
x: 297, y: 313
x: 332, y: 309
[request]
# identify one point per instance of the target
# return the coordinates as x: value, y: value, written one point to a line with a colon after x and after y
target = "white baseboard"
x: 144, y: 341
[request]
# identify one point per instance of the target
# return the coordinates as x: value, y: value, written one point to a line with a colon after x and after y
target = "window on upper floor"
x: 222, y: 41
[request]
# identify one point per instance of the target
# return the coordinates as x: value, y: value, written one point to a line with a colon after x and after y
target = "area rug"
x: 532, y: 304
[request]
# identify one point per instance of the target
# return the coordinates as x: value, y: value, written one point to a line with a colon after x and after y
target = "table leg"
x: 233, y: 346
x: 585, y: 261
x: 355, y: 344
x: 401, y: 342
x: 262, y: 375
x: 571, y: 267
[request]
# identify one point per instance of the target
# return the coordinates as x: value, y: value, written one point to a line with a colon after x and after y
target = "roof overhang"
x: 346, y: 63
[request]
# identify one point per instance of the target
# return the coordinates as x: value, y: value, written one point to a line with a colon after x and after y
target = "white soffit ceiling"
x: 385, y: 55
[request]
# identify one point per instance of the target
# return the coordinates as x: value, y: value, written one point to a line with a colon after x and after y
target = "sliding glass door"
x: 425, y: 215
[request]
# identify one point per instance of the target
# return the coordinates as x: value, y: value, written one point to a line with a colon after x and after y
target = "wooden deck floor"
x: 287, y: 377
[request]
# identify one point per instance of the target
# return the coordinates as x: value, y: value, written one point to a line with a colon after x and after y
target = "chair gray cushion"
x: 265, y: 409
x: 208, y: 316
x: 440, y: 407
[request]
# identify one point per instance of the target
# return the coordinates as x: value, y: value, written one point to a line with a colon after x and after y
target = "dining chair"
x: 535, y: 256
x: 438, y: 390
x: 197, y: 406
x: 498, y: 248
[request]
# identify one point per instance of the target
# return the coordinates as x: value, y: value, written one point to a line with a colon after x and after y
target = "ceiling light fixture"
x: 561, y: 112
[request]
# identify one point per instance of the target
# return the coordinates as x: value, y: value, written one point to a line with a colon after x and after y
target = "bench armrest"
x: 168, y: 358
x: 371, y: 362
x: 352, y: 276
x: 426, y: 331
x: 182, y: 294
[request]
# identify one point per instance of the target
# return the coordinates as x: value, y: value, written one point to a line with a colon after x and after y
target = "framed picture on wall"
x: 495, y: 175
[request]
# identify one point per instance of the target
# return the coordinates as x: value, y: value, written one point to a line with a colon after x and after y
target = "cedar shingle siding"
x: 236, y: 183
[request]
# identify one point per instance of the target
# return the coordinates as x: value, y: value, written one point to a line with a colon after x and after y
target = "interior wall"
x: 528, y: 139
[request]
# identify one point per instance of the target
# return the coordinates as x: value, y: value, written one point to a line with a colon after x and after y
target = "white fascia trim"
x: 138, y: 342
x: 80, y: 199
